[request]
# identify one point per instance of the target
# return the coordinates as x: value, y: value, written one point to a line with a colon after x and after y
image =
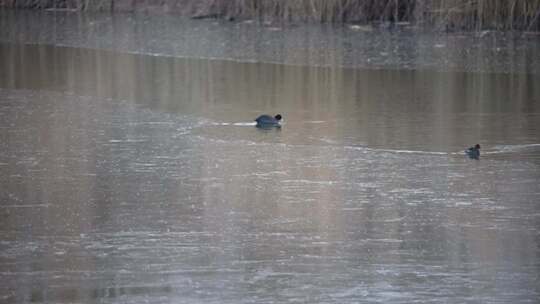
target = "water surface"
x: 128, y: 178
x: 402, y: 47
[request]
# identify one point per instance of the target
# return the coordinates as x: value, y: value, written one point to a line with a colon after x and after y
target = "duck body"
x: 473, y: 152
x: 267, y: 121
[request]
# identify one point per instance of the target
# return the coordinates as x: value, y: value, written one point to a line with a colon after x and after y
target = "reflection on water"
x: 402, y: 47
x: 417, y: 110
x: 130, y: 178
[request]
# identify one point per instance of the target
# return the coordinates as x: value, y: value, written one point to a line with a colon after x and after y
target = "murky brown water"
x: 131, y: 178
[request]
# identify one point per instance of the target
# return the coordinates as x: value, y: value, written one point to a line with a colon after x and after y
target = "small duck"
x: 267, y: 121
x: 473, y: 152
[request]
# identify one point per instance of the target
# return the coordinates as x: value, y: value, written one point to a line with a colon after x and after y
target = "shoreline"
x: 448, y: 15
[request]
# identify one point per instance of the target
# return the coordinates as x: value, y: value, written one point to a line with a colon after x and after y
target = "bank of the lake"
x: 448, y: 14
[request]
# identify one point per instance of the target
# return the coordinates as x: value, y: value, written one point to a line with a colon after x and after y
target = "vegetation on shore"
x: 441, y: 14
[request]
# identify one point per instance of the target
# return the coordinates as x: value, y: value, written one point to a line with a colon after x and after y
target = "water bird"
x: 473, y: 152
x: 267, y: 121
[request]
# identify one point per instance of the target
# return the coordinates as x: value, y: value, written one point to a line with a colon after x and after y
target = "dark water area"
x: 130, y: 178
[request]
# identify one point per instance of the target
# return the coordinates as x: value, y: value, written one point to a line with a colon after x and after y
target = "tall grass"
x: 481, y: 14
x: 444, y: 14
x: 314, y: 10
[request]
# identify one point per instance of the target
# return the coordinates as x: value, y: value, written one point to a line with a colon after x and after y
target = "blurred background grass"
x: 439, y: 14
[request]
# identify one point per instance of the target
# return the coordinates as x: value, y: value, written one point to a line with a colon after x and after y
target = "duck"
x: 473, y: 152
x: 267, y: 121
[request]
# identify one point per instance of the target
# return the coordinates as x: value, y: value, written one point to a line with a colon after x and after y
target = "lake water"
x: 128, y: 178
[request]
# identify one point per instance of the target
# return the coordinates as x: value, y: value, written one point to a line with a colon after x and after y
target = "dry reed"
x: 444, y: 14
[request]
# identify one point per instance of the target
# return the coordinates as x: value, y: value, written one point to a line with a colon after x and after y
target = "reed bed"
x: 443, y: 14
x: 481, y: 14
